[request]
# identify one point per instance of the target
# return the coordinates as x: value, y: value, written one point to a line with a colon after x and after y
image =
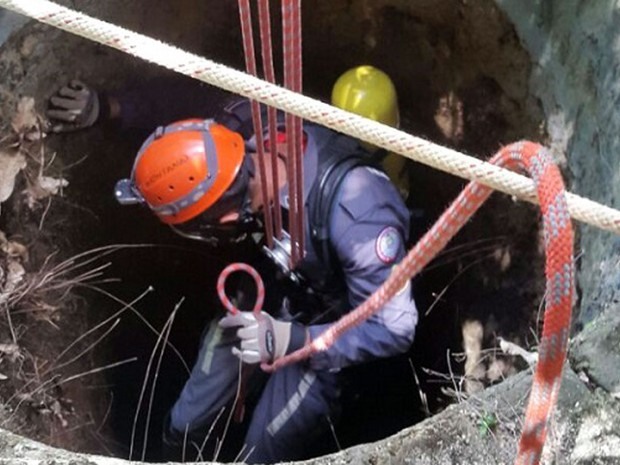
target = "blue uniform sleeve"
x: 166, y: 99
x: 369, y: 228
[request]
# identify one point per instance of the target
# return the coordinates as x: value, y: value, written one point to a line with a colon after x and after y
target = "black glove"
x: 74, y: 106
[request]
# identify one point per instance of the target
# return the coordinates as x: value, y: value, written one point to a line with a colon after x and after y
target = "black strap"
x: 339, y: 155
x: 321, y: 201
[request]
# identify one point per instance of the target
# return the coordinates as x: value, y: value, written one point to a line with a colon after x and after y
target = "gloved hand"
x: 74, y: 106
x: 263, y: 338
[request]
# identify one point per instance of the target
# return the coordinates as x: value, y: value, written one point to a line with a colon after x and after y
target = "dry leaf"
x: 24, y: 397
x: 449, y: 117
x: 503, y: 257
x: 9, y: 349
x: 10, y: 166
x: 43, y: 187
x: 57, y: 411
x: 511, y: 348
x: 506, y: 259
x: 13, y: 249
x: 15, y: 275
x: 12, y: 351
x: 47, y: 313
x: 52, y: 185
x: 25, y: 118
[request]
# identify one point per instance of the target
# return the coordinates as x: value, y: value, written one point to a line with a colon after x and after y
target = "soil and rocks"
x: 482, y: 430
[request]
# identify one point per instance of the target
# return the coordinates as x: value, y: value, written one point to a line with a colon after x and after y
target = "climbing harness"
x: 336, y: 156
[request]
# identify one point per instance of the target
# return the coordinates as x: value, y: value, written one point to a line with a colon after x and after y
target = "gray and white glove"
x: 263, y: 338
x: 74, y: 106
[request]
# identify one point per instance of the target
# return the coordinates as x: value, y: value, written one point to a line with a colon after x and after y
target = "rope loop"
x: 221, y: 287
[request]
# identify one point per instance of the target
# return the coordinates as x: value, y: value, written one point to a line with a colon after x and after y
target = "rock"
x: 596, y: 350
x: 585, y: 430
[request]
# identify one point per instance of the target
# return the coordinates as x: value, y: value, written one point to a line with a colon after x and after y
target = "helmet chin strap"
x: 222, y: 234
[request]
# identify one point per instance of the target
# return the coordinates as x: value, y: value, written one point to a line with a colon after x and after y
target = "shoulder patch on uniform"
x: 387, y: 244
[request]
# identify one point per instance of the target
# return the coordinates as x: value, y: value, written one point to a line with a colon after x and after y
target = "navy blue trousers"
x: 294, y: 407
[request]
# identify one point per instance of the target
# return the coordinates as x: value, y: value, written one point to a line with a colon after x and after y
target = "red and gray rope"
x: 270, y: 76
x: 291, y: 43
x: 221, y: 287
x: 291, y: 27
x: 245, y: 17
x: 298, y: 134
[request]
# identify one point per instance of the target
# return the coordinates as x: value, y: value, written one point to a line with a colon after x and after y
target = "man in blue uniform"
x: 199, y: 177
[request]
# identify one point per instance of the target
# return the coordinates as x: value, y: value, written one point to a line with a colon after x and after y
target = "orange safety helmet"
x: 183, y: 169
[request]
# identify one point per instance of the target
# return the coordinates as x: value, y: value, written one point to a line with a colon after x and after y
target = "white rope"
x: 238, y: 82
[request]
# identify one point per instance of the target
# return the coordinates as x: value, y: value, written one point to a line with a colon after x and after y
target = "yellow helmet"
x: 367, y: 91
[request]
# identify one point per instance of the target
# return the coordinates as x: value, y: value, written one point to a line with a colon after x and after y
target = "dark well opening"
x: 461, y: 76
